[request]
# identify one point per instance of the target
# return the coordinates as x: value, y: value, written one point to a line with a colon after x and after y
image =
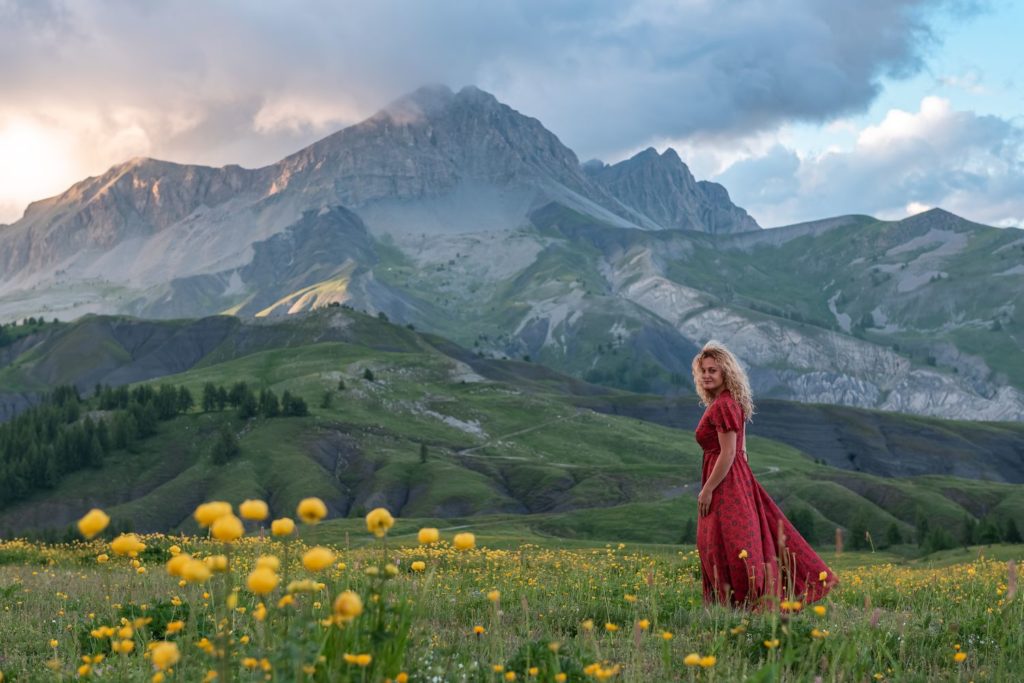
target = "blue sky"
x: 803, y: 109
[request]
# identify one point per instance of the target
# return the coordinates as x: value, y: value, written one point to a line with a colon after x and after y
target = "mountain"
x: 662, y: 187
x: 509, y: 444
x: 456, y: 214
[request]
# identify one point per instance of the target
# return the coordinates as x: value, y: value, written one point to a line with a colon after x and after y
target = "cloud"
x: 249, y: 82
x: 969, y: 164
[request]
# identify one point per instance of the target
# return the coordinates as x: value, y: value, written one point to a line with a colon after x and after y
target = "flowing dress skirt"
x: 750, y: 554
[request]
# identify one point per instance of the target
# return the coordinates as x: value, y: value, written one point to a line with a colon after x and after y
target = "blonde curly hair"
x: 735, y: 377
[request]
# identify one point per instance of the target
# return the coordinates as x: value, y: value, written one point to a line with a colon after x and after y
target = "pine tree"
x: 185, y: 401
x: 368, y: 375
x: 968, y: 531
x: 209, y: 397
x: 328, y: 397
x: 225, y: 447
x: 893, y: 535
x: 424, y: 453
x: 1012, y: 533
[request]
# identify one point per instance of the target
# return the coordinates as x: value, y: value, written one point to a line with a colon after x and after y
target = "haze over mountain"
x: 457, y: 214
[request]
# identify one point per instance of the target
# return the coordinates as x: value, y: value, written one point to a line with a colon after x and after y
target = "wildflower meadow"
x: 252, y: 601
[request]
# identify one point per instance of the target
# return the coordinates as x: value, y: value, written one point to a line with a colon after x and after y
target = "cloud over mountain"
x: 244, y: 82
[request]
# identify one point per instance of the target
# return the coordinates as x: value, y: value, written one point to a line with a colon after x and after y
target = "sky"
x: 803, y: 109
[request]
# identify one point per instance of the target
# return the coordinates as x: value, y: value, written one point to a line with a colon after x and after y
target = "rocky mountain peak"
x: 662, y: 187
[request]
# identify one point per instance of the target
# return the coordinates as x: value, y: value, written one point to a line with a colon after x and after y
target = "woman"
x: 750, y: 554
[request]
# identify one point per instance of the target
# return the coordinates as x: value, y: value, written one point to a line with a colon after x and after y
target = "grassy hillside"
x: 517, y: 456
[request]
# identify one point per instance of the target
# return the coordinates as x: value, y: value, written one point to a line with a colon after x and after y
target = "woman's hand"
x: 704, y: 502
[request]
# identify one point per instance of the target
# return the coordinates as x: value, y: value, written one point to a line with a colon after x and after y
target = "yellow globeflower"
x: 255, y: 510
x: 217, y: 563
x: 561, y: 677
x: 269, y: 561
x: 494, y: 596
x: 378, y: 521
x: 195, y: 571
x: 101, y: 558
x: 262, y: 581
x: 282, y: 527
x: 177, y: 563
x: 127, y: 544
x: 348, y: 606
x: 318, y: 558
x: 227, y: 528
x: 358, y: 660
x: 692, y: 659
x: 311, y: 510
x: 164, y: 655
x: 708, y: 661
x: 959, y: 657
x: 93, y: 522
x: 418, y: 566
x: 820, y: 610
x: 464, y: 541
x: 428, y: 535
x: 208, y: 513
x: 174, y: 550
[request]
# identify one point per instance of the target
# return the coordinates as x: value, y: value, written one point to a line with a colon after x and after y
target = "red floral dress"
x: 750, y: 554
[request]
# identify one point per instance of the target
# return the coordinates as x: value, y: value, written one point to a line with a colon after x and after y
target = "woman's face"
x: 711, y: 377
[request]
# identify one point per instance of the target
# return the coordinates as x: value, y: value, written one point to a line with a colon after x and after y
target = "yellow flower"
x: 644, y: 624
x: 709, y: 661
x: 692, y: 659
x: 464, y: 541
x: 791, y: 605
x: 102, y: 558
x: 959, y: 657
x: 54, y: 643
x: 667, y: 635
x: 282, y: 527
x: 743, y: 554
x: 269, y: 562
x: 629, y: 598
x: 561, y: 677
x: 820, y: 610
x: 494, y: 596
x: 127, y: 544
x: 259, y: 613
x: 311, y: 510
x: 479, y: 630
x: 610, y: 627
x: 262, y: 581
x: 250, y: 662
x: 216, y: 563
x: 255, y: 510
x: 815, y: 633
x: 418, y: 566
x: 208, y: 513
x: 773, y: 643
x: 378, y: 521
x: 93, y: 522
x: 174, y: 550
x: 125, y: 632
x: 587, y: 624
x: 164, y: 655
x: 123, y: 647
x: 318, y: 558
x: 83, y: 670
x: 359, y: 660
x: 303, y: 586
x: 498, y: 668
x: 227, y: 528
x: 402, y: 677
x: 428, y: 535
x: 510, y: 675
x: 533, y: 670
x: 175, y: 626
x: 347, y: 606
x: 195, y: 571
x: 823, y: 576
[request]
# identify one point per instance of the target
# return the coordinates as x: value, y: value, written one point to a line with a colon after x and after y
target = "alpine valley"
x: 469, y: 326
x: 455, y: 214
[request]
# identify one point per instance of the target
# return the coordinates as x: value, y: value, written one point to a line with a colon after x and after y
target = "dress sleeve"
x: 727, y: 416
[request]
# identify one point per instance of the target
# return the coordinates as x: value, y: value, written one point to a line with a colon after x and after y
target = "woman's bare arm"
x: 727, y: 443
